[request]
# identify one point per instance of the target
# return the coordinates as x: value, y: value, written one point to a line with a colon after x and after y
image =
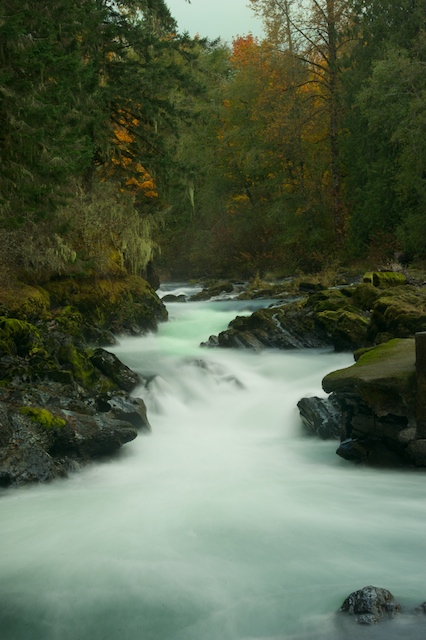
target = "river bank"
x: 64, y: 399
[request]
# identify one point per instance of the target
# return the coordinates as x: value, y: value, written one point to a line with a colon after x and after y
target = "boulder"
x: 125, y: 408
x: 371, y: 605
x: 112, y: 367
x: 172, y: 298
x: 377, y: 396
x: 385, y: 279
x: 321, y: 416
x: 213, y: 291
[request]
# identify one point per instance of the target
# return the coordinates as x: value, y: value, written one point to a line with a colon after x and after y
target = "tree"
x: 317, y: 35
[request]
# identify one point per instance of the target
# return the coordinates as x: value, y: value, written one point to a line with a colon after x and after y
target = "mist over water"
x: 227, y: 523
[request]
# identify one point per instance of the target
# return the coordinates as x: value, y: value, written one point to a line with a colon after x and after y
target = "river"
x: 228, y: 522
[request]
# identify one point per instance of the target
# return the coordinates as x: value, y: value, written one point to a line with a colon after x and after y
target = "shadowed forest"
x: 123, y: 142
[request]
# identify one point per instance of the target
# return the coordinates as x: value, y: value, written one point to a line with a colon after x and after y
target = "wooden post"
x: 421, y: 383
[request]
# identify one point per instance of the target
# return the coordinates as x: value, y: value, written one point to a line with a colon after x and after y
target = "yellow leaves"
x: 137, y: 179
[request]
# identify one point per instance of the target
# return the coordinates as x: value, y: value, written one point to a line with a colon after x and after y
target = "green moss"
x: 385, y: 279
x: 117, y: 304
x: 77, y: 362
x: 43, y: 417
x: 23, y: 301
x: 327, y: 300
x: 18, y: 337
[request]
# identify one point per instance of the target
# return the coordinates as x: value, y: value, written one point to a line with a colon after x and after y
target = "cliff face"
x: 378, y: 400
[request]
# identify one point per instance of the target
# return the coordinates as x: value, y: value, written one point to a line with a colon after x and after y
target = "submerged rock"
x: 371, y: 605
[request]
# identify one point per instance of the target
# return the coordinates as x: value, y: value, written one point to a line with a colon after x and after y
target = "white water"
x: 227, y: 523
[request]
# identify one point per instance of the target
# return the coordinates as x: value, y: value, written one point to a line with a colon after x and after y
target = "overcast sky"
x: 214, y: 18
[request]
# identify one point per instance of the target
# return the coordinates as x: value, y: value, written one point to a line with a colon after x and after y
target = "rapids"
x: 228, y: 522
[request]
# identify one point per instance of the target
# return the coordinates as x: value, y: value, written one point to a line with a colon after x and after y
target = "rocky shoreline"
x: 374, y: 405
x: 64, y: 399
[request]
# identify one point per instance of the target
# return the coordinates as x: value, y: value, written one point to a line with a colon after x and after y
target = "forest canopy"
x: 123, y: 141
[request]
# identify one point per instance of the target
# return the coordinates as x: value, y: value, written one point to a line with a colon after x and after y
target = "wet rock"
x: 213, y: 291
x: 112, y: 367
x: 371, y: 605
x: 321, y: 416
x: 377, y: 396
x: 172, y: 298
x: 125, y: 408
x: 285, y: 327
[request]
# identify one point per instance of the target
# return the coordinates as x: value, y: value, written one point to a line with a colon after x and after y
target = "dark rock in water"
x: 286, y: 327
x: 122, y: 407
x: 112, y: 367
x: 371, y: 605
x: 321, y: 416
x: 212, y: 342
x: 421, y: 608
x: 352, y: 450
x: 378, y: 399
x: 171, y: 298
x: 213, y: 291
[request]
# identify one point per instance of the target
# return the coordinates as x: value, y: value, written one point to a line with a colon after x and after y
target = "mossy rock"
x: 384, y: 377
x: 364, y: 296
x: 327, y: 300
x: 121, y: 305
x: 399, y: 312
x: 18, y: 337
x: 347, y: 330
x: 385, y: 279
x: 23, y: 301
x: 43, y: 417
x: 77, y: 362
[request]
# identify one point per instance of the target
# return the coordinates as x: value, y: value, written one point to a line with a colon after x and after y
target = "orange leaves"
x: 135, y: 178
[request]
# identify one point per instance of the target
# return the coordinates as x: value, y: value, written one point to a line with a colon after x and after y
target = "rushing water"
x: 227, y: 523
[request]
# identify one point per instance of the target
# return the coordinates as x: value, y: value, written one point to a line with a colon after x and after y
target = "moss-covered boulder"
x: 384, y: 377
x: 121, y: 305
x: 18, y: 337
x: 385, y: 279
x: 399, y: 312
x: 347, y: 330
x: 22, y: 301
x: 377, y: 396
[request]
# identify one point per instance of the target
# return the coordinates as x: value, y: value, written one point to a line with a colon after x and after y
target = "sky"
x: 214, y: 18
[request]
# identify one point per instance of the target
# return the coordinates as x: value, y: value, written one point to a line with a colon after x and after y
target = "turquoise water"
x: 227, y: 523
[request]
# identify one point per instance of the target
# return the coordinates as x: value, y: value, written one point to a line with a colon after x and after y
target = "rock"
x: 311, y: 287
x: 421, y: 608
x: 284, y: 327
x: 112, y: 367
x: 172, y: 298
x: 321, y: 416
x: 371, y: 605
x: 385, y: 279
x: 398, y: 313
x: 346, y: 330
x: 121, y: 305
x: 377, y: 396
x: 122, y: 407
x: 213, y: 291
